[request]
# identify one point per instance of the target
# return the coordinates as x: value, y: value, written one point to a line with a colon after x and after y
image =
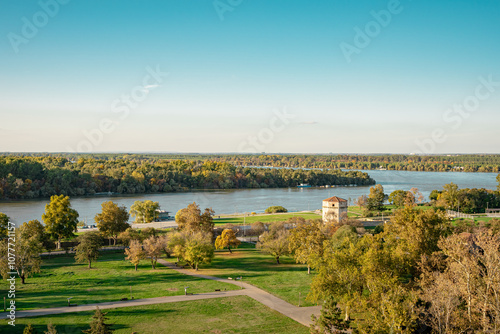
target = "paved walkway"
x: 299, y: 314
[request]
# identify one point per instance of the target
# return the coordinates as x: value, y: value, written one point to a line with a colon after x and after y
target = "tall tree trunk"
x: 277, y: 260
x: 196, y: 266
x: 22, y: 278
x: 114, y: 240
x: 229, y: 249
x: 90, y: 264
x: 136, y: 267
x: 308, y: 269
x: 58, y: 243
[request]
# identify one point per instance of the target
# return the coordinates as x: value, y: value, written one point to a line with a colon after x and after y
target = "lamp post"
x: 186, y: 290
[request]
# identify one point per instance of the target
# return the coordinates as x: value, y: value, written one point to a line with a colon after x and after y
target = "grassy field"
x: 239, y: 314
x: 264, y: 218
x: 109, y: 280
x: 285, y: 280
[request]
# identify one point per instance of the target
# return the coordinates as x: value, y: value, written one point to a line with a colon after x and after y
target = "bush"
x: 276, y: 209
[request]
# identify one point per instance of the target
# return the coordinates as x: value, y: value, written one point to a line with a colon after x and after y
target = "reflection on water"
x: 257, y: 200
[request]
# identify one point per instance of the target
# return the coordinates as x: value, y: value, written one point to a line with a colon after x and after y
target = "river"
x: 257, y: 200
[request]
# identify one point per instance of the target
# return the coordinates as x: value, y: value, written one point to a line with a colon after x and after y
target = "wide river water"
x: 257, y: 200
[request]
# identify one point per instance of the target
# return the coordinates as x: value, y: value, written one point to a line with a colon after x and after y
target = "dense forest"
x: 431, y: 163
x: 42, y: 176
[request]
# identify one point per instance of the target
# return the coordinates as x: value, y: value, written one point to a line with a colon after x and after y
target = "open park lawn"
x: 264, y: 218
x: 110, y: 279
x: 285, y: 280
x: 239, y: 314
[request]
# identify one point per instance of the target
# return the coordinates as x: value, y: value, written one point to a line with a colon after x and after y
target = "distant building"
x: 334, y: 209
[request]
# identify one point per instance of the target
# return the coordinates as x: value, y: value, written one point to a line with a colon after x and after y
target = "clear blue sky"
x: 227, y: 77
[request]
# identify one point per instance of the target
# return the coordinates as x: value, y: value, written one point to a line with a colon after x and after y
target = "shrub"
x: 276, y: 209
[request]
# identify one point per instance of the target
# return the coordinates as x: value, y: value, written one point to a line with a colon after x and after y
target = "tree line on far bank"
x: 41, y: 177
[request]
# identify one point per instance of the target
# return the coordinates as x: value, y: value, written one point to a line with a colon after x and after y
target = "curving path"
x: 299, y: 314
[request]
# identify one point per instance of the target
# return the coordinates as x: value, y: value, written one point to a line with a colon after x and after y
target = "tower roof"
x: 335, y: 199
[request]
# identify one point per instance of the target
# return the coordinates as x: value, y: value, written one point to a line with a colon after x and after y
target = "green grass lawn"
x: 265, y: 218
x: 239, y: 314
x: 285, y: 280
x: 110, y: 279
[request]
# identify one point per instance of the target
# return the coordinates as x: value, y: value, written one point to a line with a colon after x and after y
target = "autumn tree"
x: 153, y: 247
x: 51, y: 329
x: 198, y: 249
x: 227, y: 240
x: 130, y: 234
x: 193, y: 220
x: 98, y: 324
x: 274, y: 242
x: 306, y: 242
x: 29, y: 329
x: 134, y: 253
x: 88, y: 247
x: 27, y: 255
x: 60, y: 219
x: 144, y: 211
x: 4, y: 224
x: 112, y: 220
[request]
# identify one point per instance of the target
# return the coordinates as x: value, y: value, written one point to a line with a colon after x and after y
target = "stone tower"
x: 334, y: 209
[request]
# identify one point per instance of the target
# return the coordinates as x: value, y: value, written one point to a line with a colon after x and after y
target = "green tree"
x: 306, y: 242
x: 98, y: 325
x: 398, y: 198
x: 112, y: 220
x: 27, y: 256
x: 376, y: 198
x: 35, y: 229
x: 177, y: 244
x: 198, y: 249
x: 274, y: 243
x: 135, y: 253
x: 227, y: 240
x: 329, y: 321
x: 153, y: 247
x: 4, y: 224
x: 413, y: 233
x: 60, y: 219
x: 144, y: 211
x: 498, y: 180
x: 192, y: 220
x: 449, y: 196
x: 88, y: 247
